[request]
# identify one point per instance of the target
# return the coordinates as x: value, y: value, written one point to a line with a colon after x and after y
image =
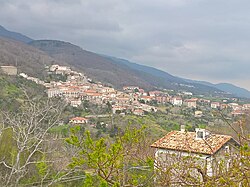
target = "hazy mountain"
x: 147, y: 69
x: 14, y: 35
x: 166, y: 80
x: 226, y: 87
x: 235, y: 90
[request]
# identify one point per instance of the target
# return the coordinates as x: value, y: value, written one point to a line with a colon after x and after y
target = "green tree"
x: 120, y: 162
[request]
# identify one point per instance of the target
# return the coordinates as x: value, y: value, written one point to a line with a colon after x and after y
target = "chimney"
x: 182, y: 128
x: 201, y: 133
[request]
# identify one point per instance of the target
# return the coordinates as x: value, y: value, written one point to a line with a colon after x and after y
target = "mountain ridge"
x: 226, y: 87
x: 116, y: 71
x: 163, y: 74
x: 14, y: 35
x: 27, y: 58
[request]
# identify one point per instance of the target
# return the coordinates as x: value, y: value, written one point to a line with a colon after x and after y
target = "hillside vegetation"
x: 115, y: 71
x: 95, y: 66
x: 27, y: 58
x: 13, y: 90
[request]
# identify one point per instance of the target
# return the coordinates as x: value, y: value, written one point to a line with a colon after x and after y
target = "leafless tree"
x: 29, y: 128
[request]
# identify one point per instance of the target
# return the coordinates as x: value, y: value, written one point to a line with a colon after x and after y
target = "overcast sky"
x: 197, y: 39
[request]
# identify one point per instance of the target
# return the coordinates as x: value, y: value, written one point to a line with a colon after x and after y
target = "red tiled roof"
x: 74, y: 87
x: 90, y: 91
x: 177, y: 98
x: 237, y: 112
x: 187, y: 142
x: 78, y: 118
x: 138, y: 110
x: 69, y: 90
x: 147, y: 97
x: 93, y: 94
x: 190, y: 100
x: 123, y: 98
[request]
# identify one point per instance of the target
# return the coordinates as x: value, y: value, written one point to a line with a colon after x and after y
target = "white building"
x: 215, y: 105
x: 75, y: 102
x: 188, y: 93
x: 52, y: 92
x: 176, y: 101
x: 190, y: 103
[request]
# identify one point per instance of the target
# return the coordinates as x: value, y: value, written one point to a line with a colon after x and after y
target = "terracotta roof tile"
x: 187, y: 142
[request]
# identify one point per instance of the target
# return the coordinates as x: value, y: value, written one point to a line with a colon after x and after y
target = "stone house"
x: 9, y: 70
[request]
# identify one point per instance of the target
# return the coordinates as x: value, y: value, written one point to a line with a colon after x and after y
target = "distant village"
x: 78, y: 88
x: 132, y: 99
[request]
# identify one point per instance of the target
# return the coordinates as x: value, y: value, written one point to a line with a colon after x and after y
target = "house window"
x: 227, y: 150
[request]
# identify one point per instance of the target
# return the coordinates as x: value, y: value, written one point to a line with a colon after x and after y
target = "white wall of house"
x: 163, y: 155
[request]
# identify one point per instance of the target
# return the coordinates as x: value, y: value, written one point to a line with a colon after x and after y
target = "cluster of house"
x: 34, y: 79
x: 236, y: 108
x: 78, y: 88
x: 133, y: 99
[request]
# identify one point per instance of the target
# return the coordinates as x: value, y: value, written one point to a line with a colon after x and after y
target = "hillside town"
x: 132, y: 99
x: 78, y: 88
